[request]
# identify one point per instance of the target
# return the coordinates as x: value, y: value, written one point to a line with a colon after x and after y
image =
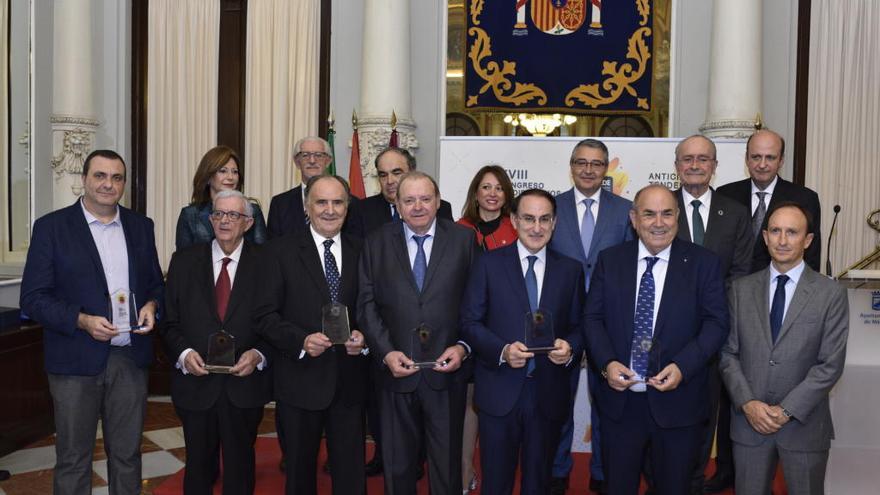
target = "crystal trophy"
x: 422, y: 347
x: 334, y: 323
x: 539, y: 337
x: 123, y: 311
x: 221, y: 352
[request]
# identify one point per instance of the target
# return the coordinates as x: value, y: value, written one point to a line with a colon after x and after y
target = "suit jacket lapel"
x: 206, y: 276
x: 683, y: 233
x: 81, y: 228
x: 311, y: 260
x: 398, y: 245
x: 127, y: 232
x: 568, y: 219
x: 802, y: 295
x: 516, y: 279
x: 669, y: 299
x: 349, y: 268
x: 204, y: 215
x: 243, y: 270
x: 761, y: 293
x: 602, y: 220
x: 437, y: 251
x: 627, y: 288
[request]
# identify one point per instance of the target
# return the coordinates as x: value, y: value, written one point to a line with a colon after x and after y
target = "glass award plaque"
x: 123, y: 311
x: 422, y: 347
x: 539, y: 335
x: 221, y: 352
x: 655, y: 365
x: 334, y: 323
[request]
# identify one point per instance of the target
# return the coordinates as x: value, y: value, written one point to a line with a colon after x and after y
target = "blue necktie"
x: 777, y: 310
x: 644, y: 322
x: 331, y: 271
x: 588, y: 226
x: 420, y: 267
x: 532, y: 290
x: 394, y: 214
x: 698, y: 231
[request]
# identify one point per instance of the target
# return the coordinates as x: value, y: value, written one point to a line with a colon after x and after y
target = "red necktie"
x: 222, y: 289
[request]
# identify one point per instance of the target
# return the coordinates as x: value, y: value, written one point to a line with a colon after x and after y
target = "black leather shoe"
x: 718, y: 483
x: 374, y: 467
x: 558, y: 486
x: 598, y: 486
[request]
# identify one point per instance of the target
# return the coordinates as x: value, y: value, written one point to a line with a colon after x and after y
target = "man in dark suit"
x: 765, y: 154
x: 212, y: 288
x: 523, y: 397
x: 412, y: 277
x: 655, y: 317
x: 92, y: 279
x: 722, y: 226
x: 391, y: 164
x: 786, y: 350
x: 311, y: 155
x: 321, y: 386
x: 590, y: 219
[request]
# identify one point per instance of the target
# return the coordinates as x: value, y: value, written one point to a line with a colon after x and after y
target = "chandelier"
x: 539, y: 124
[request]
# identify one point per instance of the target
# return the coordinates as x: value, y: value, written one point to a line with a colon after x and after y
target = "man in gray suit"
x: 785, y: 351
x: 722, y: 226
x: 412, y: 277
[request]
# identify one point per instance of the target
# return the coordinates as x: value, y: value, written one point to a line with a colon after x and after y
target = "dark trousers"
x: 344, y: 425
x: 374, y: 402
x: 435, y: 417
x: 222, y: 425
x: 719, y: 402
x: 118, y: 397
x: 626, y: 440
x: 522, y: 436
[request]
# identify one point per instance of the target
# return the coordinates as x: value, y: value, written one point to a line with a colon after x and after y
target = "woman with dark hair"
x: 218, y: 170
x: 487, y: 212
x: 487, y: 208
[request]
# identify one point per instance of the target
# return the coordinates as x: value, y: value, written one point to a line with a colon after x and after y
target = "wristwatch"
x: 786, y: 413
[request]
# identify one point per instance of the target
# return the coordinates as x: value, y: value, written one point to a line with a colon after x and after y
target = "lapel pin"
x: 720, y: 212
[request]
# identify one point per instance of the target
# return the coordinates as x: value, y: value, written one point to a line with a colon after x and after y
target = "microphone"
x: 828, y: 247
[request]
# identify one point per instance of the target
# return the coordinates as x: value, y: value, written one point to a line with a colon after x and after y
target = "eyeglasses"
x: 529, y: 220
x: 317, y: 155
x: 701, y: 159
x: 582, y: 164
x: 234, y: 216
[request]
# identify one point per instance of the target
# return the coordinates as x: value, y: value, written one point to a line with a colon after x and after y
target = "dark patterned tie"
x: 331, y: 271
x: 777, y: 310
x: 222, y: 289
x: 420, y: 266
x: 644, y: 322
x: 532, y: 290
x: 758, y: 217
x: 698, y: 231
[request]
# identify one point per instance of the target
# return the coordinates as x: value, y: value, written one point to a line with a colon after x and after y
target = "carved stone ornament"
x: 374, y: 135
x: 737, y: 129
x: 76, y: 143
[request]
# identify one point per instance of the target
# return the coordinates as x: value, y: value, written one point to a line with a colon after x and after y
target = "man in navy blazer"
x: 655, y: 315
x: 96, y: 351
x: 580, y: 237
x: 523, y: 397
x: 311, y: 155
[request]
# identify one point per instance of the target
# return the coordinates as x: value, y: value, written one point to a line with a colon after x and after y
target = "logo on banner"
x: 875, y: 300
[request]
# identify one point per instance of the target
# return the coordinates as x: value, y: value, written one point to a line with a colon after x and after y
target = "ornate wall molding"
x: 73, y: 137
x: 731, y: 128
x: 374, y: 134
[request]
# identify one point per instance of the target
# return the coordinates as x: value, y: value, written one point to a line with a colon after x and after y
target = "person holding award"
x: 308, y: 313
x: 412, y: 275
x: 92, y: 280
x: 521, y: 314
x: 221, y: 383
x: 655, y: 316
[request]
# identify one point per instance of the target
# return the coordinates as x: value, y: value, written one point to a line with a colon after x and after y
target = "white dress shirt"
x: 540, y: 264
x: 110, y: 241
x: 794, y: 276
x: 412, y: 247
x: 769, y: 190
x: 659, y: 272
x: 335, y: 249
x: 217, y: 256
x: 705, y: 204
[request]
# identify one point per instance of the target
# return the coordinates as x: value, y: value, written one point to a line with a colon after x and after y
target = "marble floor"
x: 162, y: 448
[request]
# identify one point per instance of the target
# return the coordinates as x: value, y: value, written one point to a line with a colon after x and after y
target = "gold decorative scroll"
x: 497, y: 78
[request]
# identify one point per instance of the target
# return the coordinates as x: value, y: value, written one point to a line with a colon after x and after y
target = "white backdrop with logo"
x: 543, y: 163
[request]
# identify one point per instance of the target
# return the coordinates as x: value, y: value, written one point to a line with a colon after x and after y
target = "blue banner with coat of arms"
x: 570, y: 56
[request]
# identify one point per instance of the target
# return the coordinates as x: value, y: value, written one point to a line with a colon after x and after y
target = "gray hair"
x: 299, y: 144
x: 232, y: 193
x: 590, y: 143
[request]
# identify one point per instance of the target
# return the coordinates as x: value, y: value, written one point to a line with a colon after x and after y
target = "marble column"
x: 735, y: 69
x: 73, y: 113
x: 385, y: 83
